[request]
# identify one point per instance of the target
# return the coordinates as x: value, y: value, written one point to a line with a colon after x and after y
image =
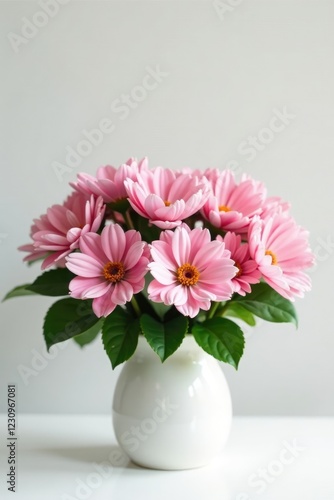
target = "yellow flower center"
x: 187, y: 275
x: 273, y: 257
x: 167, y: 203
x: 113, y: 271
x: 224, y: 208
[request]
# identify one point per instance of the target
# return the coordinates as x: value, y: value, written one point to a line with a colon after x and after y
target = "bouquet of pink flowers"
x: 166, y: 253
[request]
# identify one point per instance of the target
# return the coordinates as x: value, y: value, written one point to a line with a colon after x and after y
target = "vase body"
x: 172, y: 415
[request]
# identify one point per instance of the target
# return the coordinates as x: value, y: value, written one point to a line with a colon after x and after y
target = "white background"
x: 225, y: 73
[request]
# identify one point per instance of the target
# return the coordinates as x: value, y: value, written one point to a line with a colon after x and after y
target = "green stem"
x: 213, y: 309
x: 223, y: 309
x: 128, y: 220
x: 135, y: 306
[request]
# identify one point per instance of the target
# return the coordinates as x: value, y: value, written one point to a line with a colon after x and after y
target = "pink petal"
x: 218, y: 272
x: 138, y: 271
x: 133, y: 255
x: 176, y: 295
x: 163, y: 275
x: 162, y: 254
x: 113, y: 242
x: 122, y: 292
x: 84, y: 265
x: 88, y: 288
x: 103, y: 306
x: 181, y: 246
x: 152, y: 204
x: 154, y: 289
x: 51, y: 259
x: 208, y: 253
x: 90, y: 244
x: 165, y: 224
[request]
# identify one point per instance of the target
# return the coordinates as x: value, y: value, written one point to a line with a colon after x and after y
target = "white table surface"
x: 59, y: 458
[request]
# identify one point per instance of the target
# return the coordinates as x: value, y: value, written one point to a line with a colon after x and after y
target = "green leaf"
x: 164, y: 337
x: 222, y: 338
x: 53, y: 283
x: 269, y: 305
x: 236, y: 310
x: 66, y: 319
x: 18, y: 291
x: 89, y: 335
x: 120, y: 333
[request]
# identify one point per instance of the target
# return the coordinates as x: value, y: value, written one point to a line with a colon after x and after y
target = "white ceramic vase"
x: 172, y: 415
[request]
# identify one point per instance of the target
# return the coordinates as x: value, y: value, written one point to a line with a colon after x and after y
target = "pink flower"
x: 280, y: 248
x: 110, y: 268
x: 58, y: 232
x: 166, y: 197
x: 248, y: 273
x: 34, y: 253
x: 232, y: 206
x: 274, y: 205
x: 109, y: 181
x: 190, y: 270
